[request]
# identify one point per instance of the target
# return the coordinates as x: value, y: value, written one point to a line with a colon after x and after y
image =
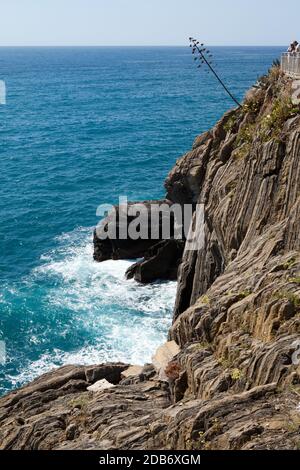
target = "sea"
x: 82, y: 126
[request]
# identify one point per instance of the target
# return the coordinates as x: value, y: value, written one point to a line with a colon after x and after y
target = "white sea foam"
x: 118, y: 319
x: 88, y: 284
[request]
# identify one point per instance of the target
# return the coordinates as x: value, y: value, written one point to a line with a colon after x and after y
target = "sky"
x: 148, y: 22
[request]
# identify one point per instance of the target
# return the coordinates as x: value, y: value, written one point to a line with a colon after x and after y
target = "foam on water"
x: 91, y: 313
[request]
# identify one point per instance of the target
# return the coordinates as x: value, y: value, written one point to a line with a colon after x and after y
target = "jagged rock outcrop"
x: 121, y: 246
x: 159, y: 256
x: 235, y: 383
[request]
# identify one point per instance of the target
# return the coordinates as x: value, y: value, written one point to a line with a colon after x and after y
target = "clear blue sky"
x: 148, y: 22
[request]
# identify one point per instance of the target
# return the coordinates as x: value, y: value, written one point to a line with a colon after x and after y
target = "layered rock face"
x: 235, y: 384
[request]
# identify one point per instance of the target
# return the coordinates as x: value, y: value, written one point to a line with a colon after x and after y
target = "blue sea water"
x: 82, y: 126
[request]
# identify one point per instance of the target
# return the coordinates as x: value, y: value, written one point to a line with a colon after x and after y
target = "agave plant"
x: 276, y: 63
x: 204, y: 58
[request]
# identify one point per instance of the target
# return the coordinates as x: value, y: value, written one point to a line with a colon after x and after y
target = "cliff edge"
x: 234, y: 382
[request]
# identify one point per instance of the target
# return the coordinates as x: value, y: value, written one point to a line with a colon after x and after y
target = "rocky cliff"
x: 234, y: 383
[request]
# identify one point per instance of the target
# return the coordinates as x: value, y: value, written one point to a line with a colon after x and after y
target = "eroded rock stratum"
x: 235, y: 384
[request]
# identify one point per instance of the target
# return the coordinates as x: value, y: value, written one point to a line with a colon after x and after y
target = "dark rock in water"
x: 160, y: 262
x: 119, y: 248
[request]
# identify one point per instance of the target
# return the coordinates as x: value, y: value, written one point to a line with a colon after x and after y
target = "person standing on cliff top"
x: 294, y: 47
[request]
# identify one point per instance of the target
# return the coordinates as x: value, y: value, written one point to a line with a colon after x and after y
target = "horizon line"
x: 136, y: 45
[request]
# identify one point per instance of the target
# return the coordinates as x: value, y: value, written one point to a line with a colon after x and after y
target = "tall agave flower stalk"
x: 204, y: 58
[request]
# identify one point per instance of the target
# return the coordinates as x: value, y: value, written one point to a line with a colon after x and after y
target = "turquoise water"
x: 81, y: 127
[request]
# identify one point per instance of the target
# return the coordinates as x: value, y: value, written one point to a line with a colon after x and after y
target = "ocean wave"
x: 88, y: 312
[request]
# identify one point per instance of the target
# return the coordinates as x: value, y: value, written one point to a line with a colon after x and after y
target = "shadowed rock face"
x: 159, y: 257
x: 160, y: 262
x: 235, y: 383
x: 122, y: 247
